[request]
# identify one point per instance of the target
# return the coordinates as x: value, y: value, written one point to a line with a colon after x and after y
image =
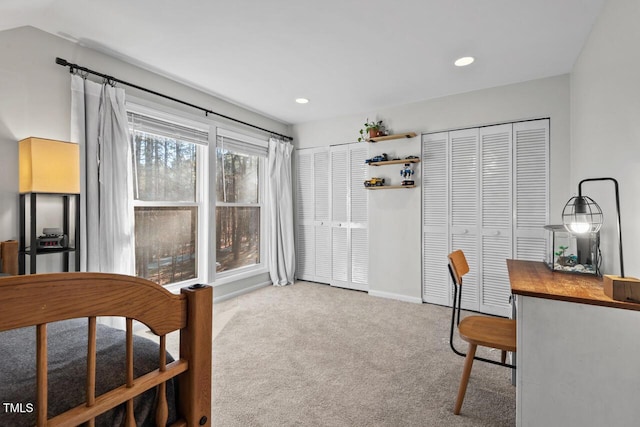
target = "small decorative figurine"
x: 374, y: 182
x: 565, y: 260
x: 379, y: 158
x: 405, y: 173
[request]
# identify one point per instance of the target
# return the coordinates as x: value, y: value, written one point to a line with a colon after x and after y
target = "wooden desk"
x: 535, y: 279
x: 577, y: 352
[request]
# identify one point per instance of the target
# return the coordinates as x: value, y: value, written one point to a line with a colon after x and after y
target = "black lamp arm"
x: 615, y: 183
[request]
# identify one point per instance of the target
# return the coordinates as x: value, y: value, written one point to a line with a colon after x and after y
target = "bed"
x: 8, y: 257
x: 60, y: 367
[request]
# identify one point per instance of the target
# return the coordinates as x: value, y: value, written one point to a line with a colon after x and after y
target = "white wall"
x: 35, y: 101
x: 394, y: 215
x: 605, y: 126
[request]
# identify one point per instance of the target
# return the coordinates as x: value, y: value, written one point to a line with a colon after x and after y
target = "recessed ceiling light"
x: 302, y: 100
x: 464, y: 61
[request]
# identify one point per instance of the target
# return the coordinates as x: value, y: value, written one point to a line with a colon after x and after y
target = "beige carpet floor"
x: 313, y: 355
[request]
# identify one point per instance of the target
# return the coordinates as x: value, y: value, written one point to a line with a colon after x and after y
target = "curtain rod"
x: 111, y: 80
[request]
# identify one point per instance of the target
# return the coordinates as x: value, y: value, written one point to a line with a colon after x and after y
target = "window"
x: 167, y: 163
x: 240, y: 164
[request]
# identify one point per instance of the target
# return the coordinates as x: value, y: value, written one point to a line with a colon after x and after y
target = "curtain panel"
x: 280, y: 201
x: 99, y: 125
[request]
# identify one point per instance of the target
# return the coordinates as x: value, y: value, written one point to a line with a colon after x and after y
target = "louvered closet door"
x: 496, y: 218
x: 464, y: 210
x: 490, y: 187
x: 359, y: 217
x: 305, y: 214
x: 340, y: 215
x: 531, y: 192
x: 436, y: 287
x: 322, y: 219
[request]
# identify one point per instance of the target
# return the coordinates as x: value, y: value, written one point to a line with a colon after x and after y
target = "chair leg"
x: 503, y: 357
x: 466, y: 372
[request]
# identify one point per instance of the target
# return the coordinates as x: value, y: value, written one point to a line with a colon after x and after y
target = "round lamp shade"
x: 582, y: 215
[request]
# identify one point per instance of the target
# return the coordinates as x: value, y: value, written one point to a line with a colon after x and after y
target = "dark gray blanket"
x: 67, y: 356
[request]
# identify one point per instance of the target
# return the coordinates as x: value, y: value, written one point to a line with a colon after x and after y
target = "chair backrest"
x: 459, y: 266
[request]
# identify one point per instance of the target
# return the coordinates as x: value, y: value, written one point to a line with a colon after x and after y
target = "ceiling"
x: 346, y: 56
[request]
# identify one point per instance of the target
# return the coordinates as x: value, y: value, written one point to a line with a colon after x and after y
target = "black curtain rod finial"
x: 64, y: 63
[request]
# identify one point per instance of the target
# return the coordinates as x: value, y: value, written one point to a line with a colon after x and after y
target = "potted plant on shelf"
x: 371, y: 130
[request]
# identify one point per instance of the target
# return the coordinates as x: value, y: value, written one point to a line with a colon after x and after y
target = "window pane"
x: 237, y: 177
x: 238, y: 237
x: 164, y: 168
x: 166, y: 243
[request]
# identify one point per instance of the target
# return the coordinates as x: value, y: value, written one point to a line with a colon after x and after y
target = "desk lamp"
x: 581, y: 215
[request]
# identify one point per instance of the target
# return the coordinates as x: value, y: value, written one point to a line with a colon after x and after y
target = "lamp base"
x: 622, y: 288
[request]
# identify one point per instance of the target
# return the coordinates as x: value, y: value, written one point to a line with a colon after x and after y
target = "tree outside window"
x: 238, y: 209
x: 166, y: 207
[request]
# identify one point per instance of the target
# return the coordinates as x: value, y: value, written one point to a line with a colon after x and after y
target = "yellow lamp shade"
x: 48, y: 166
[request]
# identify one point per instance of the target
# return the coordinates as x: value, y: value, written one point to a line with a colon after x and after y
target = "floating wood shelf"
x: 390, y: 137
x: 389, y: 187
x: 41, y: 251
x: 394, y: 162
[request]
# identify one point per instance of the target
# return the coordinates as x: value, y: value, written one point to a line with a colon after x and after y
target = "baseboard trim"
x: 241, y: 292
x: 399, y: 297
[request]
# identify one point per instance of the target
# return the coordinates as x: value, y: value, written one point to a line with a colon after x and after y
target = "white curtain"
x: 99, y: 125
x: 281, y: 242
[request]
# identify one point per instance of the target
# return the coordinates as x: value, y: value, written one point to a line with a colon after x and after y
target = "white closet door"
x: 321, y: 185
x: 531, y: 188
x: 464, y: 188
x: 332, y: 216
x: 359, y: 216
x: 359, y: 259
x: 340, y: 251
x: 340, y: 184
x: 359, y: 200
x: 323, y: 253
x: 340, y: 256
x: 436, y: 287
x: 486, y: 192
x: 322, y: 220
x: 306, y: 253
x: 496, y: 218
x: 305, y: 207
x: 349, y: 217
x: 468, y: 243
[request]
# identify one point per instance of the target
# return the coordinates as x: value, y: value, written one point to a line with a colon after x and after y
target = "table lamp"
x: 581, y: 215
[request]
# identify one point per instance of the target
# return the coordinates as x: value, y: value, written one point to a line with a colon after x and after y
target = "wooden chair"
x: 493, y: 332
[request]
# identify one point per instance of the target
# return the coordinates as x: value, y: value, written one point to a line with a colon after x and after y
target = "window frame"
x: 224, y: 277
x: 206, y: 182
x: 201, y: 190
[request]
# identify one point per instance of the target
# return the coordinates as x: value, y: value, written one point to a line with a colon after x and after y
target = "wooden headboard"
x: 9, y: 257
x: 44, y: 298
